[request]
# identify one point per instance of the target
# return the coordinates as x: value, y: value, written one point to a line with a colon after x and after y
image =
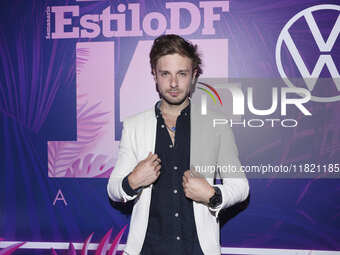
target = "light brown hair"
x: 171, y: 44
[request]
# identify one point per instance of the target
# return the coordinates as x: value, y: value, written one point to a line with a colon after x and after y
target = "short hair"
x: 171, y: 44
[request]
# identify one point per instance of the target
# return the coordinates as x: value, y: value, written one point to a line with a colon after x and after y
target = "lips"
x: 173, y: 93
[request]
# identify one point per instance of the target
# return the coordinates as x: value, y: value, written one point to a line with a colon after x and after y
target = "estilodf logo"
x: 324, y: 47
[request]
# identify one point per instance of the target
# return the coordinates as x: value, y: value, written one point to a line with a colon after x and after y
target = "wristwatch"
x: 216, y: 199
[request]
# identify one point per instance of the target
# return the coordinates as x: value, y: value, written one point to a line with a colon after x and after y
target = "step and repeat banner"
x: 72, y: 70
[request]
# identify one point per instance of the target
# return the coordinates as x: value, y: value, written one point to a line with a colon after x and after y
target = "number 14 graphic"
x: 95, y: 152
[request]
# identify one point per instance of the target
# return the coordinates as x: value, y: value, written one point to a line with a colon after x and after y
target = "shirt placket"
x: 174, y: 166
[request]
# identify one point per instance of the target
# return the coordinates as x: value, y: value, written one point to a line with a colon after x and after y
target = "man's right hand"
x: 146, y: 172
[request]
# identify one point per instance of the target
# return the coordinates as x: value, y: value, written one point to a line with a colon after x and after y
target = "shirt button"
x: 162, y: 126
x: 176, y: 214
x: 175, y: 167
x: 175, y: 191
x: 170, y: 146
x: 178, y: 238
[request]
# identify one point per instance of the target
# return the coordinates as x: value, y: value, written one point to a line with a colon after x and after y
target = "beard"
x: 174, y: 100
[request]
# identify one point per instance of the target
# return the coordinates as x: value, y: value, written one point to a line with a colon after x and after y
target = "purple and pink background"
x: 63, y: 100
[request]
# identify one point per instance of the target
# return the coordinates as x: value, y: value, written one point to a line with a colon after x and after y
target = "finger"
x: 185, y: 179
x: 157, y: 161
x: 187, y: 174
x: 196, y: 174
x: 193, y: 173
x: 157, y: 168
x: 186, y: 193
x: 149, y: 155
x: 154, y: 164
x: 153, y: 157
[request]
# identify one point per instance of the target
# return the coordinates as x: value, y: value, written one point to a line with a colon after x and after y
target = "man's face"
x: 173, y: 77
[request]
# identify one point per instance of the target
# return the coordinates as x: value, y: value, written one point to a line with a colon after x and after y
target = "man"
x: 175, y: 211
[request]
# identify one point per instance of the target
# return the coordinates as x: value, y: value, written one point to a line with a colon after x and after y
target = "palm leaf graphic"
x: 71, y: 250
x: 116, y: 242
x: 91, y: 166
x: 104, y: 243
x: 82, y: 57
x: 10, y: 249
x: 103, y: 246
x: 86, y: 244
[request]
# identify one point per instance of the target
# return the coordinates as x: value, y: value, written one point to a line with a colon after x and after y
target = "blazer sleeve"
x: 235, y: 187
x: 126, y: 162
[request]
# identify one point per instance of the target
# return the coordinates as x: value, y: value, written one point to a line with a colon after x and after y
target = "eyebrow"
x: 179, y: 71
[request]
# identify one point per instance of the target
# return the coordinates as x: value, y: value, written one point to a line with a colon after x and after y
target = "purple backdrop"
x: 72, y: 71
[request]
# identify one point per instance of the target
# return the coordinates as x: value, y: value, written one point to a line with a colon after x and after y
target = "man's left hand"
x: 197, y: 188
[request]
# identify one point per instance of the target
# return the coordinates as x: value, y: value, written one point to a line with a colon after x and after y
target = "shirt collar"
x: 185, y: 111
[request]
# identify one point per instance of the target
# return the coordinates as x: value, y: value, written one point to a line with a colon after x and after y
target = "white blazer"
x: 138, y: 139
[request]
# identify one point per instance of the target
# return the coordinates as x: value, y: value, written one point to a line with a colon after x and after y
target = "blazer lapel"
x: 150, y: 132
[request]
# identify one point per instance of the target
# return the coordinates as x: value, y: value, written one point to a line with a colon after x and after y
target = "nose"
x: 173, y: 82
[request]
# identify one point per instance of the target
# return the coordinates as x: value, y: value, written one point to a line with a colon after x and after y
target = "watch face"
x: 216, y: 199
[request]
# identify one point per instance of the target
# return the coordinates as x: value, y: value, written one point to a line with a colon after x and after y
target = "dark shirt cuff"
x: 127, y: 188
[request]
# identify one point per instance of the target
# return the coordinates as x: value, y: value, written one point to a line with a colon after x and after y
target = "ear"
x: 194, y: 73
x: 154, y: 75
x: 192, y: 86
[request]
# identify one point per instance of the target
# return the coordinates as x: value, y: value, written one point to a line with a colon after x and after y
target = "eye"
x: 182, y: 74
x: 164, y: 74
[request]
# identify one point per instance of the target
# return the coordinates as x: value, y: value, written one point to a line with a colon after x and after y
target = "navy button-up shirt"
x: 171, y: 226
